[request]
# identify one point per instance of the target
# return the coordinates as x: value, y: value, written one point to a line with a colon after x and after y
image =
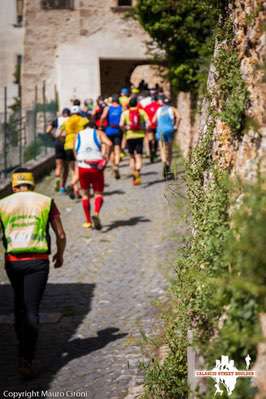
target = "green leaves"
x: 184, y: 30
x: 233, y: 91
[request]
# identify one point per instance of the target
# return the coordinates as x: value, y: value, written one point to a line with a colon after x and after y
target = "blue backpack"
x: 113, y: 119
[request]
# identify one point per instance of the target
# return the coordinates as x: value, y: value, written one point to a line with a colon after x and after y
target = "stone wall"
x: 64, y: 47
x: 247, y: 155
x: 243, y: 156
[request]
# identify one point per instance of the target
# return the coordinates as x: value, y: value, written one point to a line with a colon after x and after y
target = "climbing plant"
x: 184, y: 30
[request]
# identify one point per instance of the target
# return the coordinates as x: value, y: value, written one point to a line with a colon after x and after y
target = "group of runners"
x: 87, y: 138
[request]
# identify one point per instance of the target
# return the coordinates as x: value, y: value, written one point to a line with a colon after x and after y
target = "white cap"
x: 75, y: 109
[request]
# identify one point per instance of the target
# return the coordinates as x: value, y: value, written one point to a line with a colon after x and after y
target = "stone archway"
x: 152, y: 75
x: 118, y: 73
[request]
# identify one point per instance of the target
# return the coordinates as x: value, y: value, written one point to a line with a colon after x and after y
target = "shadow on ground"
x: 151, y: 183
x: 114, y: 192
x: 56, y: 347
x: 143, y: 174
x: 128, y: 222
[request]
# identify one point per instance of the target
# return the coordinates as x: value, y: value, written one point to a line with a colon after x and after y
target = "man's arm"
x: 107, y: 143
x: 104, y: 115
x: 145, y: 118
x: 58, y: 229
x: 155, y: 117
x: 51, y: 126
x: 177, y: 117
x: 122, y: 123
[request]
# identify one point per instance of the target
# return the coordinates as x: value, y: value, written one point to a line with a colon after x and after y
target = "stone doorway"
x: 115, y: 74
x: 118, y: 73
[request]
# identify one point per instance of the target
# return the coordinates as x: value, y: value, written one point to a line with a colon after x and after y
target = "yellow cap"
x: 20, y: 178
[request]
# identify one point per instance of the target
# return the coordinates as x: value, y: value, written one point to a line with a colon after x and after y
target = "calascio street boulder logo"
x: 225, y: 374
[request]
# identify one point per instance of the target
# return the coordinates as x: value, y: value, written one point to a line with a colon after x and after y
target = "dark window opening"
x: 124, y: 3
x: 19, y: 9
x: 17, y: 74
x: 57, y: 4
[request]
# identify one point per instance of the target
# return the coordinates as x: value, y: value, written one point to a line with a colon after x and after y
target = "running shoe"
x: 170, y: 175
x: 137, y: 180
x: 25, y: 369
x: 166, y: 170
x: 70, y: 192
x: 152, y: 157
x: 62, y: 190
x: 116, y: 174
x: 57, y: 185
x: 96, y: 222
x: 87, y: 225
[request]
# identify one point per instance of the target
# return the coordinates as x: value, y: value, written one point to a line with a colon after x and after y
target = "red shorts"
x: 91, y: 177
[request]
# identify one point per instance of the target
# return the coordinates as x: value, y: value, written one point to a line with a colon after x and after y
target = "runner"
x: 87, y: 108
x: 61, y: 166
x: 76, y: 102
x: 91, y: 162
x: 167, y: 119
x: 124, y: 101
x: 25, y: 217
x: 97, y: 113
x: 70, y: 128
x: 112, y: 115
x: 134, y: 122
x: 151, y: 108
x: 124, y: 98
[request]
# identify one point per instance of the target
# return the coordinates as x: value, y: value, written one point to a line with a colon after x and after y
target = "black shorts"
x: 135, y: 146
x: 60, y: 152
x: 151, y: 130
x: 70, y: 156
x: 116, y: 140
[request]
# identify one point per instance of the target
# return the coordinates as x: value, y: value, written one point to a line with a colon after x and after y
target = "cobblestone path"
x: 103, y: 294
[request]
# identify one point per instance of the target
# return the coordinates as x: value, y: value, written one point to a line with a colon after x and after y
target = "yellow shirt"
x: 134, y: 134
x: 72, y: 127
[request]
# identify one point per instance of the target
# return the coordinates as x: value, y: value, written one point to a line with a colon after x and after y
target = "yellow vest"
x: 24, y: 217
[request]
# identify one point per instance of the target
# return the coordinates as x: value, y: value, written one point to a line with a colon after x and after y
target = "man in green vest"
x: 25, y: 217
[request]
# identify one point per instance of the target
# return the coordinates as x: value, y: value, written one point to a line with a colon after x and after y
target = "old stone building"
x: 82, y: 47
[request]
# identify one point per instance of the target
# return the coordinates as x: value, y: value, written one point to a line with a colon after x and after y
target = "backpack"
x: 134, y: 119
x: 114, y: 115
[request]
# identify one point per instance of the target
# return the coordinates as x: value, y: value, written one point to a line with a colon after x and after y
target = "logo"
x: 225, y: 374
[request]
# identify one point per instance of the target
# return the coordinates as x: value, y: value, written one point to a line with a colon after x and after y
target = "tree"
x: 184, y: 30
